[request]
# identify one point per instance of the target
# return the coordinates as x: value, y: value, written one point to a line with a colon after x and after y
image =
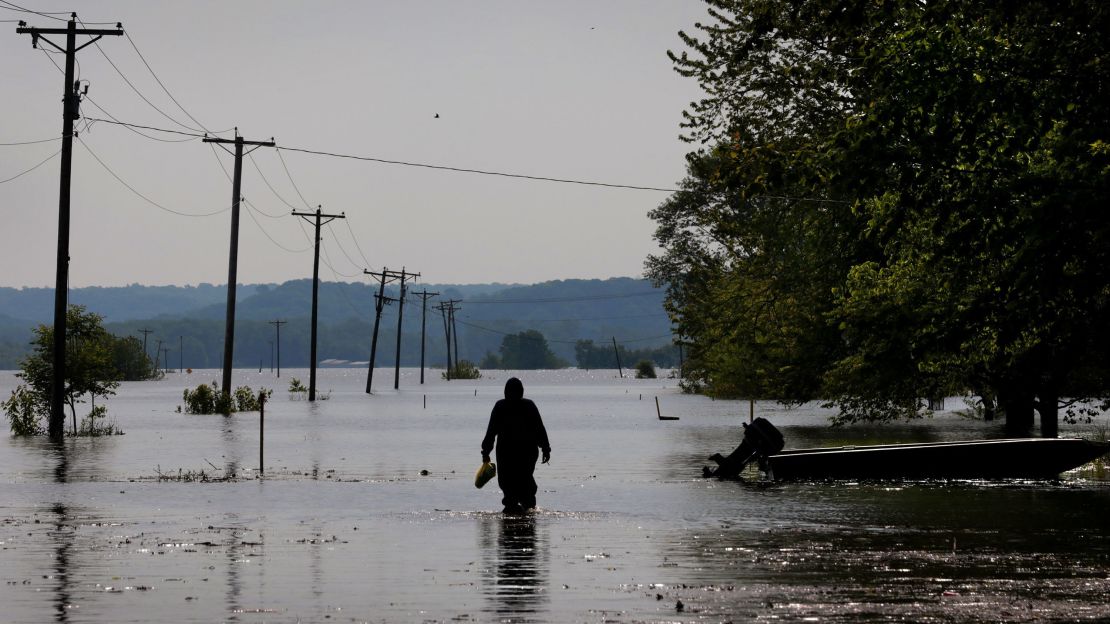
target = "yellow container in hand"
x: 487, y: 471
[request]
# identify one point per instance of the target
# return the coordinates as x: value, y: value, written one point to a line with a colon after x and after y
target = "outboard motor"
x: 761, y: 439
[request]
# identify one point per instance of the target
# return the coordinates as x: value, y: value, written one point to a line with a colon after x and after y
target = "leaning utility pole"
x: 447, y: 308
x: 233, y: 256
x: 145, y: 333
x: 386, y: 276
x: 617, y: 352
x: 442, y: 307
x: 71, y: 100
x: 400, y: 315
x: 277, y: 327
x: 317, y: 220
x: 424, y: 296
x: 455, y: 332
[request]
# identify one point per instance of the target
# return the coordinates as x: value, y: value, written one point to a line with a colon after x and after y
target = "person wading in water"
x: 516, y: 424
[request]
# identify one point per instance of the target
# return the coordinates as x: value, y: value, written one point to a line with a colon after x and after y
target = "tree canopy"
x: 895, y: 200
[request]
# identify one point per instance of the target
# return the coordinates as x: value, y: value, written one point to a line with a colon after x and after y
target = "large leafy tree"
x: 528, y: 350
x: 968, y: 141
x: 90, y: 370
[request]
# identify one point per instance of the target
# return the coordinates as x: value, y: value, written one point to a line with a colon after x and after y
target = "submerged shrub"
x: 96, y: 424
x: 207, y: 399
x: 25, y: 414
x: 464, y: 370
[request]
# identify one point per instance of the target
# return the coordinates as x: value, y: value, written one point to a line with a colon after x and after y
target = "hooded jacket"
x: 516, y: 424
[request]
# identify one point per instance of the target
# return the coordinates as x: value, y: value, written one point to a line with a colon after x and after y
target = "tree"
x: 528, y: 350
x: 90, y: 371
x: 898, y: 200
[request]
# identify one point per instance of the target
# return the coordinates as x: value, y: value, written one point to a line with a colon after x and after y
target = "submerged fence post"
x: 261, y: 432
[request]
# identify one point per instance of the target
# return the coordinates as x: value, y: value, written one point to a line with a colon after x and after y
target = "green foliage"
x: 296, y: 386
x: 465, y: 370
x: 25, y: 412
x: 892, y: 201
x: 247, y: 400
x: 207, y: 399
x: 490, y: 360
x: 645, y: 369
x: 201, y: 400
x: 90, y: 370
x: 528, y: 350
x: 588, y: 355
x: 128, y: 358
x: 96, y: 424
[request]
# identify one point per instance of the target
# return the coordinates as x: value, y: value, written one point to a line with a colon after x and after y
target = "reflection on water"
x: 515, y: 574
x: 62, y: 539
x: 368, y: 512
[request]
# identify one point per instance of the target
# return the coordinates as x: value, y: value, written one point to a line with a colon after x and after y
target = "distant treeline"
x: 565, y: 312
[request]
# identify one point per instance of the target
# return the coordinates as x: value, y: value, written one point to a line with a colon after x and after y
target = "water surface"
x: 366, y: 512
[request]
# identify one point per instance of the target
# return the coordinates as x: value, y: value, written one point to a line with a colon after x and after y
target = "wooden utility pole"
x: 400, y: 315
x: 315, y: 218
x: 424, y: 296
x: 447, y: 309
x: 233, y: 254
x: 442, y: 307
x: 277, y: 323
x: 71, y: 100
x: 181, y: 354
x: 618, y: 354
x: 455, y: 332
x: 380, y: 300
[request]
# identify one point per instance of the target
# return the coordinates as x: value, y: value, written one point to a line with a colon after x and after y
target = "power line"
x: 436, y: 167
x: 140, y: 195
x: 15, y: 7
x: 136, y: 89
x: 355, y: 239
x: 167, y: 91
x: 476, y: 171
x: 565, y: 299
x: 57, y: 138
x: 250, y: 212
x: 48, y: 159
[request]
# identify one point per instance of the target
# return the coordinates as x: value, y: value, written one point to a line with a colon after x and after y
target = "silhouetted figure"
x: 516, y: 425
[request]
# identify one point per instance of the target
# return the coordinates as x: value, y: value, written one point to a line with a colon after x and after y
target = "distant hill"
x: 192, y: 317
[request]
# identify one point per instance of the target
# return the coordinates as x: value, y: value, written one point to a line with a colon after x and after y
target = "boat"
x: 1015, y: 458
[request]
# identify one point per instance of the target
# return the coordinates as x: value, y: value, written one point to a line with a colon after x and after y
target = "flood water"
x: 367, y: 512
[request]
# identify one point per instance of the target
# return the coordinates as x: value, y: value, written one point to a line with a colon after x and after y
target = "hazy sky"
x: 568, y: 89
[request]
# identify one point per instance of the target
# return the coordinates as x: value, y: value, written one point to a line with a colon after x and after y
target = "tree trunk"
x: 1049, y: 408
x: 1017, y: 404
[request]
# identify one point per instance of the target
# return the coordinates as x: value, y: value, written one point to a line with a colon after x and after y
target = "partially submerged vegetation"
x: 465, y: 369
x: 96, y: 363
x: 207, y: 399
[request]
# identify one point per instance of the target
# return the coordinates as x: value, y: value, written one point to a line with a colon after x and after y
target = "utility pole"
x: 424, y: 296
x: 157, y: 355
x: 233, y: 254
x: 618, y: 354
x: 447, y: 308
x: 386, y: 276
x: 455, y: 332
x: 181, y: 354
x: 317, y: 219
x: 400, y: 315
x: 166, y: 359
x: 71, y: 100
x: 277, y: 323
x: 145, y: 333
x: 442, y: 307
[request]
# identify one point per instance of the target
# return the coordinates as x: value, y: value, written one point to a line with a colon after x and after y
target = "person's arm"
x: 491, y: 433
x: 541, y: 436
